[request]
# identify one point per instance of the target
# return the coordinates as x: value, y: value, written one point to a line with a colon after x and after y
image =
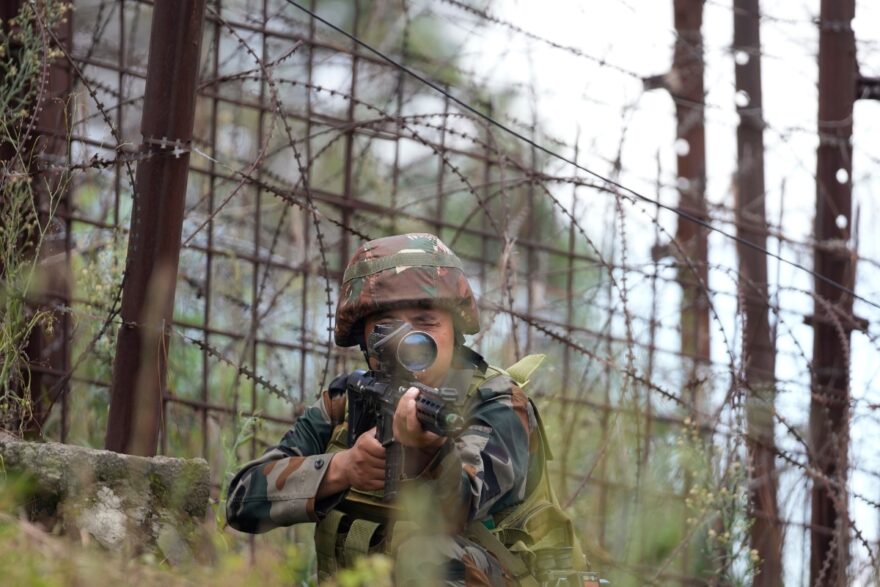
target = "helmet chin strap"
x: 366, y: 352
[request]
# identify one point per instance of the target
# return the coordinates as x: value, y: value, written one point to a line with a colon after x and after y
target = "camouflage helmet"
x: 399, y: 271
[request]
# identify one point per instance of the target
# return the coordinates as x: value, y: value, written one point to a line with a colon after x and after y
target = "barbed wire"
x: 679, y: 212
x: 468, y: 159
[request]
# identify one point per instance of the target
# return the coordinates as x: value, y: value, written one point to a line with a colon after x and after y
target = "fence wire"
x: 305, y: 145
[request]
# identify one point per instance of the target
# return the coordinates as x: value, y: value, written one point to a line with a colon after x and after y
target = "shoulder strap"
x: 542, y: 431
x: 522, y: 370
x: 519, y: 372
x: 479, y: 379
x: 483, y: 537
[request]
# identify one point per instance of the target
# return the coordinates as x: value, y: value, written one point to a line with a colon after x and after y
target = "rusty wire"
x: 311, y: 137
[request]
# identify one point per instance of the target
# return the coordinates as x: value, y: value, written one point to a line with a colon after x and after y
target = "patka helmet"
x: 414, y: 269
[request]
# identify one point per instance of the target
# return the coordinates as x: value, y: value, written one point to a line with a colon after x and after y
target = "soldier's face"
x: 438, y: 323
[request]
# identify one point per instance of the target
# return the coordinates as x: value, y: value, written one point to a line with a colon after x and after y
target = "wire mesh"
x: 306, y: 144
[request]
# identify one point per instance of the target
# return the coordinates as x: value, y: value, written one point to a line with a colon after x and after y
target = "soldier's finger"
x: 412, y: 421
x: 376, y: 472
x: 374, y: 484
x: 398, y: 426
x: 408, y: 401
x: 374, y: 450
x: 405, y: 417
x: 373, y: 461
x: 364, y: 470
x: 364, y: 482
x: 369, y: 441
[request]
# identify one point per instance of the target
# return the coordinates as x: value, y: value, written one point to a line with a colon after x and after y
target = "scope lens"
x: 417, y: 351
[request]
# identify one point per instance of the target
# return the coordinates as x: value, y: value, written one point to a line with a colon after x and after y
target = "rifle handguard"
x: 435, y: 414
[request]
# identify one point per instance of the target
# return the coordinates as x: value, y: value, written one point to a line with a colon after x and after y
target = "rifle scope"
x: 400, y: 348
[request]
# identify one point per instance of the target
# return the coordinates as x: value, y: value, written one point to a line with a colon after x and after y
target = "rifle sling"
x: 477, y: 532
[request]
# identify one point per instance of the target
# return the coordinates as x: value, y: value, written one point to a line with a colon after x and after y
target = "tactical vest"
x: 533, y: 540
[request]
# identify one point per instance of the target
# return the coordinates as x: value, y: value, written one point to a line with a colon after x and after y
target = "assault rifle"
x: 373, y: 395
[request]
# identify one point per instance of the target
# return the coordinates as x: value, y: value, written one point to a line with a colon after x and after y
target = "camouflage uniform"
x: 486, y: 471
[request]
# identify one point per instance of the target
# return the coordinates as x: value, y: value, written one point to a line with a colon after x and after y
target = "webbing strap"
x: 483, y: 537
x: 402, y: 259
x: 338, y: 438
x: 357, y: 542
x: 325, y: 542
x: 548, y: 452
x: 522, y: 370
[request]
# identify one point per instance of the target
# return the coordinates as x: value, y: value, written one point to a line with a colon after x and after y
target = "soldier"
x: 504, y: 525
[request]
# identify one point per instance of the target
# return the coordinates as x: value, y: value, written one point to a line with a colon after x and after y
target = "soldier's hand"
x: 365, y: 462
x: 408, y: 430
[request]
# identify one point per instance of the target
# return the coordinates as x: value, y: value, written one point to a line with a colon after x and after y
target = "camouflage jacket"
x: 494, y: 464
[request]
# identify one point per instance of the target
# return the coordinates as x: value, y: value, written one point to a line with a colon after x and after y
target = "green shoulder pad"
x: 522, y: 370
x: 519, y: 373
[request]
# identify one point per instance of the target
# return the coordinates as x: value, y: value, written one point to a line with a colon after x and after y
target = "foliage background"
x: 655, y: 486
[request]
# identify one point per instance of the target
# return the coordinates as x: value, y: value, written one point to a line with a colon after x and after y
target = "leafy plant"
x: 29, y: 200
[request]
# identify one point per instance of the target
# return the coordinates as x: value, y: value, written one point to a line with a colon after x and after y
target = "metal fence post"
x: 832, y: 319
x: 139, y: 369
x: 758, y: 344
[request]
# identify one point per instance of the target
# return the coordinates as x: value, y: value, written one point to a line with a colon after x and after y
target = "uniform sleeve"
x: 280, y: 488
x: 485, y: 469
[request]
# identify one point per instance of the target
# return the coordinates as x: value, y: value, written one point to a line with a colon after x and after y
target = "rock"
x: 120, y: 501
x: 105, y: 520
